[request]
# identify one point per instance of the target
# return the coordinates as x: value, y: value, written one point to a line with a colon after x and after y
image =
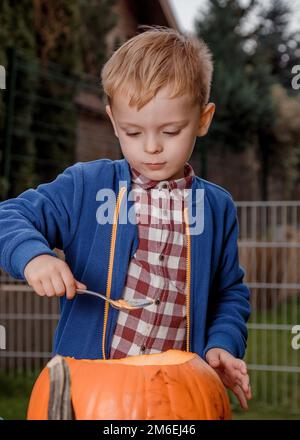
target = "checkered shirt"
x: 157, y: 269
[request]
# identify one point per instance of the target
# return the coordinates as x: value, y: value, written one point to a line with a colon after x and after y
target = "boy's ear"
x: 206, y: 118
x: 109, y: 112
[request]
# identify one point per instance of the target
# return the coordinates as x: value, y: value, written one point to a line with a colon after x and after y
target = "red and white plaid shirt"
x: 157, y: 269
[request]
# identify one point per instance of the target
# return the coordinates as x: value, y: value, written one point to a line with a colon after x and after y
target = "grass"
x: 257, y: 411
x: 279, y: 390
x: 14, y: 395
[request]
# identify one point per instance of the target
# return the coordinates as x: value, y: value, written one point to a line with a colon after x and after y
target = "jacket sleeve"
x: 39, y: 220
x: 229, y: 305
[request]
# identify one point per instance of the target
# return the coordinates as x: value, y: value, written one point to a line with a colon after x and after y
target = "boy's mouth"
x: 156, y: 165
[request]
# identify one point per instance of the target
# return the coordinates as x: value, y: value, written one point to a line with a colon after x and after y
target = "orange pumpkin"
x: 171, y: 385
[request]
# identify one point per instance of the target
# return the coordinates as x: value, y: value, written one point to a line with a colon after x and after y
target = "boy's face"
x: 162, y: 132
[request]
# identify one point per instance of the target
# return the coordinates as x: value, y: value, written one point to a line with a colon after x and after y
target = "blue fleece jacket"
x: 63, y: 214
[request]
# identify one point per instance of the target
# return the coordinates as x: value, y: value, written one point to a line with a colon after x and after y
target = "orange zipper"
x: 188, y: 279
x: 111, y: 262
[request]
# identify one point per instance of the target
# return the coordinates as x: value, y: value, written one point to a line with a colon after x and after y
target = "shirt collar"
x: 146, y: 183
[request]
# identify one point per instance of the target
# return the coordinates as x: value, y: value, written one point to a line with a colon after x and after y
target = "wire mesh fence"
x: 269, y: 249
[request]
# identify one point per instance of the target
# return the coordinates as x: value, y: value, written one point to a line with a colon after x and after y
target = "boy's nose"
x: 152, y: 147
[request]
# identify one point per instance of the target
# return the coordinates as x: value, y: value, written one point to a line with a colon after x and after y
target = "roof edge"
x: 169, y: 14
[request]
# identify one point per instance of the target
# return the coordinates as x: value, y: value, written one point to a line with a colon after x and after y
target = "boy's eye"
x: 172, y: 133
x: 166, y: 132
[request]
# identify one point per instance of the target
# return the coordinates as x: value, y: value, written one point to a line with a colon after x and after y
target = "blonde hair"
x: 156, y: 58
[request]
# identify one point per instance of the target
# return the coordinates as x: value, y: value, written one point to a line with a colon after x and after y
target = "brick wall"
x: 238, y: 173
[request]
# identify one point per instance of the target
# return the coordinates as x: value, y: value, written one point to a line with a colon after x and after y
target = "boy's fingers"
x: 241, y: 365
x: 235, y: 363
x: 249, y: 393
x: 239, y: 393
x: 69, y: 283
x: 48, y: 287
x: 80, y: 285
x: 244, y: 367
x: 243, y: 381
x: 237, y: 377
x: 71, y: 290
x: 38, y: 288
x: 58, y: 285
x: 228, y: 360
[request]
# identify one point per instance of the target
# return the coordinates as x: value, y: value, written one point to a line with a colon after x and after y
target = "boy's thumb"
x: 213, y: 359
x: 80, y: 285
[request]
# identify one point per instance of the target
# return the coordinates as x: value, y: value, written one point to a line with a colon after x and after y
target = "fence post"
x: 8, y: 123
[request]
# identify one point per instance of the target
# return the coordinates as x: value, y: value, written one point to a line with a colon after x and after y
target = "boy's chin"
x: 162, y: 174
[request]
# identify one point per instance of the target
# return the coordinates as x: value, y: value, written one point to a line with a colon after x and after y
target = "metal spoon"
x: 130, y: 304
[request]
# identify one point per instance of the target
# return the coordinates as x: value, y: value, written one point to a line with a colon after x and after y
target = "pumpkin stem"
x: 60, y: 404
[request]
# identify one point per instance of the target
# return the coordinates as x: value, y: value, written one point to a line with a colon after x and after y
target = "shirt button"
x: 161, y: 257
x: 164, y: 185
x: 143, y: 348
x: 157, y: 302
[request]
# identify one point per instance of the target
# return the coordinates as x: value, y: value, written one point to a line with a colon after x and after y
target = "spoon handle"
x: 99, y: 295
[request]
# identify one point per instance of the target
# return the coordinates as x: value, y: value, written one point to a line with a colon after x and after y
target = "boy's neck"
x: 180, y: 182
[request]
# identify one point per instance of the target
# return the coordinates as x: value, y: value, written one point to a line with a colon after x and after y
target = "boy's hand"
x: 51, y: 276
x: 232, y: 372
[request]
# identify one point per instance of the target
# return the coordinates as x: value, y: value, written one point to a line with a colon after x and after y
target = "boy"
x: 157, y: 85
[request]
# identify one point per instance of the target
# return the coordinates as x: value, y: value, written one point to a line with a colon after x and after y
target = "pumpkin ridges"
x: 193, y: 384
x: 38, y: 408
x: 121, y: 390
x: 138, y: 397
x: 214, y: 384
